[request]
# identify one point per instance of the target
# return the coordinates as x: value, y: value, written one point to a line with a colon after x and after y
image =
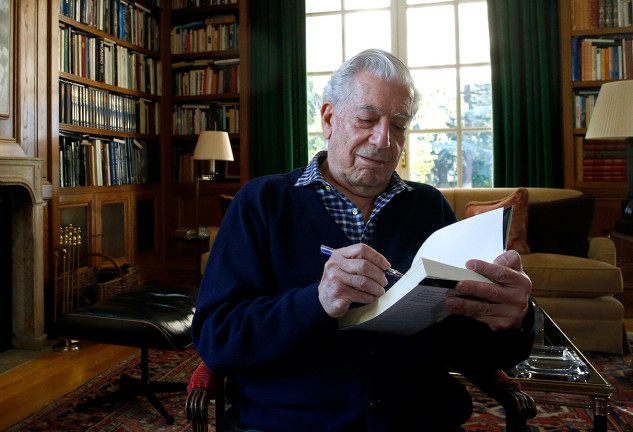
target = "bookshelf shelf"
x: 602, y: 31
x: 232, y: 137
x: 112, y: 88
x: 208, y: 97
x: 104, y: 132
x: 205, y: 54
x: 186, y: 13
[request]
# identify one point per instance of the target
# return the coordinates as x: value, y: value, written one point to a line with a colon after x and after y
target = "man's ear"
x: 327, y: 114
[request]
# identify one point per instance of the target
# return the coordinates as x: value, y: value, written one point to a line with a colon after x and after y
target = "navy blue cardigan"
x: 259, y: 320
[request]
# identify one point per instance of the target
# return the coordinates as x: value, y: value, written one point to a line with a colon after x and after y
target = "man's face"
x: 366, y: 134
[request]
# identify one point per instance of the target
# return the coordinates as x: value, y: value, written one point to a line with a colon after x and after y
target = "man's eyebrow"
x: 401, y: 116
x: 371, y: 108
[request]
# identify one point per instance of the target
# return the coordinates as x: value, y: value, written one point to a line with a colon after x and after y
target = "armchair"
x: 206, y: 385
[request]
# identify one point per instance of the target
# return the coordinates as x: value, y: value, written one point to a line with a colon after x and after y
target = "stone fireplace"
x: 23, y: 178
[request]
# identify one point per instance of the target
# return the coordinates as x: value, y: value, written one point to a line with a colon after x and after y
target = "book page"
x: 416, y: 300
x: 477, y: 237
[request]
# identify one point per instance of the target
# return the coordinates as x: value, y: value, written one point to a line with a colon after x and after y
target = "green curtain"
x: 525, y: 57
x: 278, y: 100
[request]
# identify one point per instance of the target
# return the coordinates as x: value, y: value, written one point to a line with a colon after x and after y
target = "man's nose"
x: 380, y: 136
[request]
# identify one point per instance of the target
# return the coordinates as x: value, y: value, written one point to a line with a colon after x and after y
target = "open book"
x: 416, y: 300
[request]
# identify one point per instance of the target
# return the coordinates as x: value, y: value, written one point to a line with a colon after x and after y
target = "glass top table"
x: 557, y: 366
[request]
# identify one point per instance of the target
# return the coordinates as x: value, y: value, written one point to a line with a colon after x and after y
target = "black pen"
x: 393, y: 272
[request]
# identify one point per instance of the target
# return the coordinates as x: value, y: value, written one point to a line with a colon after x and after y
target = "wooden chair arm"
x: 519, y: 406
x: 204, y: 386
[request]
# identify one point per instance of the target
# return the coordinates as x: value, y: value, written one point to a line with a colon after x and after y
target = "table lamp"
x: 211, y: 146
x: 612, y: 119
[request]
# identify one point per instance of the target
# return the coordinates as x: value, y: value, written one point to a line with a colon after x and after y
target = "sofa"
x: 576, y: 291
x: 574, y: 277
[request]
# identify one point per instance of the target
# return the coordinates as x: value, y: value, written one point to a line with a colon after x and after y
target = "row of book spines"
x: 592, y: 14
x: 584, y: 102
x: 96, y: 108
x: 597, y: 160
x: 102, y: 162
x: 604, y: 170
x: 600, y: 160
x: 207, y: 81
x: 192, y: 121
x: 206, y: 37
x: 602, y: 59
x: 103, y: 61
x: 123, y: 19
x: 184, y: 4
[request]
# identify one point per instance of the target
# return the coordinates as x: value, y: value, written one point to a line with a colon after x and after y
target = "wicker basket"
x: 106, y: 281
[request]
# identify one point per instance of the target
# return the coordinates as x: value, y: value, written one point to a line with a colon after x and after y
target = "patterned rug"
x: 138, y: 415
x: 616, y: 370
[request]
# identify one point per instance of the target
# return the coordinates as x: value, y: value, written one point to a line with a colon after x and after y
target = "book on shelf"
x: 605, y: 145
x: 600, y: 160
x: 593, y: 14
x: 126, y: 20
x: 100, y: 59
x: 184, y: 4
x: 102, y: 161
x: 205, y: 36
x: 417, y: 299
x: 600, y: 58
x: 206, y: 77
x: 192, y: 119
x: 584, y: 102
x: 92, y: 107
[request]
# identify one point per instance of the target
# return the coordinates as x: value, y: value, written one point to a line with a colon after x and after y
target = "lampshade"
x: 612, y: 117
x: 213, y: 145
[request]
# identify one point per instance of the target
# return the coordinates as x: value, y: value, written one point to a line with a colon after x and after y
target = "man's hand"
x: 501, y: 305
x: 353, y: 274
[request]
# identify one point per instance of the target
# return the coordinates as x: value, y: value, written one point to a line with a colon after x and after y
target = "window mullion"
x: 458, y: 99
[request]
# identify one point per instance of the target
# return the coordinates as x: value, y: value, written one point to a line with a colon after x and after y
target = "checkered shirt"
x: 344, y: 212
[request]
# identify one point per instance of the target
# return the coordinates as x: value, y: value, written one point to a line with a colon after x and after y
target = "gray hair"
x: 381, y: 64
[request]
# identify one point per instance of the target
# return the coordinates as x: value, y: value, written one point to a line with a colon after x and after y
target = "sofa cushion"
x: 561, y: 226
x: 555, y: 275
x: 517, y: 239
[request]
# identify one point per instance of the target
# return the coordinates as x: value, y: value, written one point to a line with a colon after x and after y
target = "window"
x: 446, y: 46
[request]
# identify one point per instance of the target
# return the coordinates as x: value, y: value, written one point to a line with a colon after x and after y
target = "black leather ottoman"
x: 147, y: 317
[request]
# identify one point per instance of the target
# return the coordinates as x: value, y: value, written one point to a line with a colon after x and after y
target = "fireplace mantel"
x: 24, y: 177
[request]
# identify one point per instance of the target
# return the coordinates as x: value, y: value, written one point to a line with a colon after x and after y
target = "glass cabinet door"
x: 113, y: 225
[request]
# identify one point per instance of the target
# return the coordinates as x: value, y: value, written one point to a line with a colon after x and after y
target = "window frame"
x: 399, y: 47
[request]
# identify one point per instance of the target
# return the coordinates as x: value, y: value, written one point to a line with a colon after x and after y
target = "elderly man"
x: 269, y: 300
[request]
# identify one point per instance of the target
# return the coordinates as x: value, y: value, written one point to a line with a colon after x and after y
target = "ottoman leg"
x: 131, y: 387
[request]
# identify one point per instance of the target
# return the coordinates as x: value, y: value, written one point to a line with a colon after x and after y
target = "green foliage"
x: 315, y: 145
x: 314, y: 105
x: 434, y: 155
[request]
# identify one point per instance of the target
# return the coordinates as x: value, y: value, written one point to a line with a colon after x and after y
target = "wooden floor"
x: 29, y: 387
x: 33, y: 385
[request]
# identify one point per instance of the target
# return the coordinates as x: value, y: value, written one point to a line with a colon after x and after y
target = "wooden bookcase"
x: 208, y: 90
x: 107, y: 113
x: 133, y: 215
x: 585, y: 20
